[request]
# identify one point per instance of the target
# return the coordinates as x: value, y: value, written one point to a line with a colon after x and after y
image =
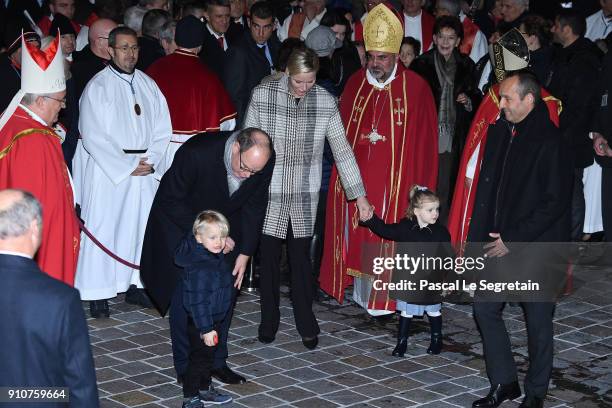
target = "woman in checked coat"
x: 298, y: 115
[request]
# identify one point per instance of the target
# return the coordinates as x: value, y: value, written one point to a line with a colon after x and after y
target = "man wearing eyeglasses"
x: 31, y: 155
x: 229, y: 173
x: 125, y: 129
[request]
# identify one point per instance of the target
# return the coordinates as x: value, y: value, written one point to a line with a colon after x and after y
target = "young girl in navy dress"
x: 418, y: 226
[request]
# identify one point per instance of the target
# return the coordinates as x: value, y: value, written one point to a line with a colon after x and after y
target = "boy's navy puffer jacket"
x: 207, y: 283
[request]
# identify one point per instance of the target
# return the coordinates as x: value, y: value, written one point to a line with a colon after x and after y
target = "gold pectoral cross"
x: 358, y: 108
x: 398, y: 111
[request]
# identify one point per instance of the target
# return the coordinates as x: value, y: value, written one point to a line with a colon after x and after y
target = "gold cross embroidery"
x: 358, y: 108
x: 379, y: 32
x: 399, y: 111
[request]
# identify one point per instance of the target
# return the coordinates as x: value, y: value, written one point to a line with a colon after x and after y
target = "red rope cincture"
x: 105, y: 249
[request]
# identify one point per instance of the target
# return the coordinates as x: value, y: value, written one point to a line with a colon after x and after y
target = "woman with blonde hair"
x: 299, y: 116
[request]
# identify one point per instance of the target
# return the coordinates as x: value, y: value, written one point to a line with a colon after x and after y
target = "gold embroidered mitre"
x: 382, y: 30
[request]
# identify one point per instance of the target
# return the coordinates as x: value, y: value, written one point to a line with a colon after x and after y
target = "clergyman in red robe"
x: 390, y: 118
x: 31, y: 156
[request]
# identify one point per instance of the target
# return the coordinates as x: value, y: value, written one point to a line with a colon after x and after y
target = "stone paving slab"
x: 353, y: 366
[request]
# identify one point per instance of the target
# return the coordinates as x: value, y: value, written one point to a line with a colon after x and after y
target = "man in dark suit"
x: 44, y: 340
x: 602, y: 139
x: 252, y: 58
x: 238, y: 21
x: 216, y: 43
x: 227, y: 173
x: 150, y: 47
x: 523, y: 195
x: 10, y: 61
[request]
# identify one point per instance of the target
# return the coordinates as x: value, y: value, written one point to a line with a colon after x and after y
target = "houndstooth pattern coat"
x: 298, y: 128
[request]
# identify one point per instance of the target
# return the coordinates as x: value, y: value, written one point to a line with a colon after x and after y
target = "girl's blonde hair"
x: 302, y: 61
x: 417, y: 196
x: 209, y: 217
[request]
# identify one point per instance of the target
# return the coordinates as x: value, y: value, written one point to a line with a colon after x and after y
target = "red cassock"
x: 404, y: 114
x: 196, y: 98
x: 465, y: 193
x: 469, y: 33
x: 31, y: 159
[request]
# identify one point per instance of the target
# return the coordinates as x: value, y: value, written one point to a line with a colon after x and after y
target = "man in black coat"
x: 523, y: 195
x: 252, y: 58
x: 573, y: 80
x: 238, y: 21
x: 227, y: 173
x: 150, y: 47
x: 10, y: 61
x: 602, y: 132
x: 216, y: 43
x: 44, y: 342
x: 87, y: 63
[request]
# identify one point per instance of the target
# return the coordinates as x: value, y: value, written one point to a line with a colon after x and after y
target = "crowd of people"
x: 171, y: 144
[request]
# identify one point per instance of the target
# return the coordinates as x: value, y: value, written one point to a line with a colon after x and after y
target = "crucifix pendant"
x: 374, y: 136
x: 137, y: 109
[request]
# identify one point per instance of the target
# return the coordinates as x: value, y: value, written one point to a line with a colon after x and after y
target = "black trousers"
x: 301, y: 284
x: 180, y: 340
x: 606, y: 201
x: 501, y: 367
x: 201, y: 356
x: 578, y: 206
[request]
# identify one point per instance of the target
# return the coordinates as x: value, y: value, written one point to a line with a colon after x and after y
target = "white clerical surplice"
x: 123, y: 118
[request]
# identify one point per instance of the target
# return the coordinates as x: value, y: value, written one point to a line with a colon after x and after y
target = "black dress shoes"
x: 310, y: 342
x: 227, y: 376
x: 532, y: 402
x: 498, y: 394
x: 135, y: 296
x: 99, y: 308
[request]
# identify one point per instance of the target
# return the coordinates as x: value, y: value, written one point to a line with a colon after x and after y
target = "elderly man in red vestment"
x: 196, y: 98
x: 391, y: 123
x: 509, y: 53
x: 31, y: 156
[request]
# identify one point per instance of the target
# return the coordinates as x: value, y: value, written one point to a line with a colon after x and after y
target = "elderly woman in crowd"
x: 452, y: 78
x: 298, y: 115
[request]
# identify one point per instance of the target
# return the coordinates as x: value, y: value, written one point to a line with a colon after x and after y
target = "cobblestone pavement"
x: 353, y: 366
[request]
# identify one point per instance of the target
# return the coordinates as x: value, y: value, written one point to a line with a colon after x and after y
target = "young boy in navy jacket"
x: 207, y: 282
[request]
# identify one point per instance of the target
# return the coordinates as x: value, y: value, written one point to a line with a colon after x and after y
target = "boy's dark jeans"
x: 197, y: 376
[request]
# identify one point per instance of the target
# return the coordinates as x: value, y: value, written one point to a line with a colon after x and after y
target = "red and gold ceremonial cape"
x: 31, y: 159
x: 465, y: 194
x: 404, y: 113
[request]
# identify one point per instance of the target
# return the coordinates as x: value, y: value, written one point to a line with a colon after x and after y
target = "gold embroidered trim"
x: 24, y: 133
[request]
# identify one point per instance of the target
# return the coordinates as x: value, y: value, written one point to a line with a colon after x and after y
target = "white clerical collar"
x: 374, y: 82
x: 417, y: 17
x: 21, y: 254
x: 210, y: 30
x: 33, y: 115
